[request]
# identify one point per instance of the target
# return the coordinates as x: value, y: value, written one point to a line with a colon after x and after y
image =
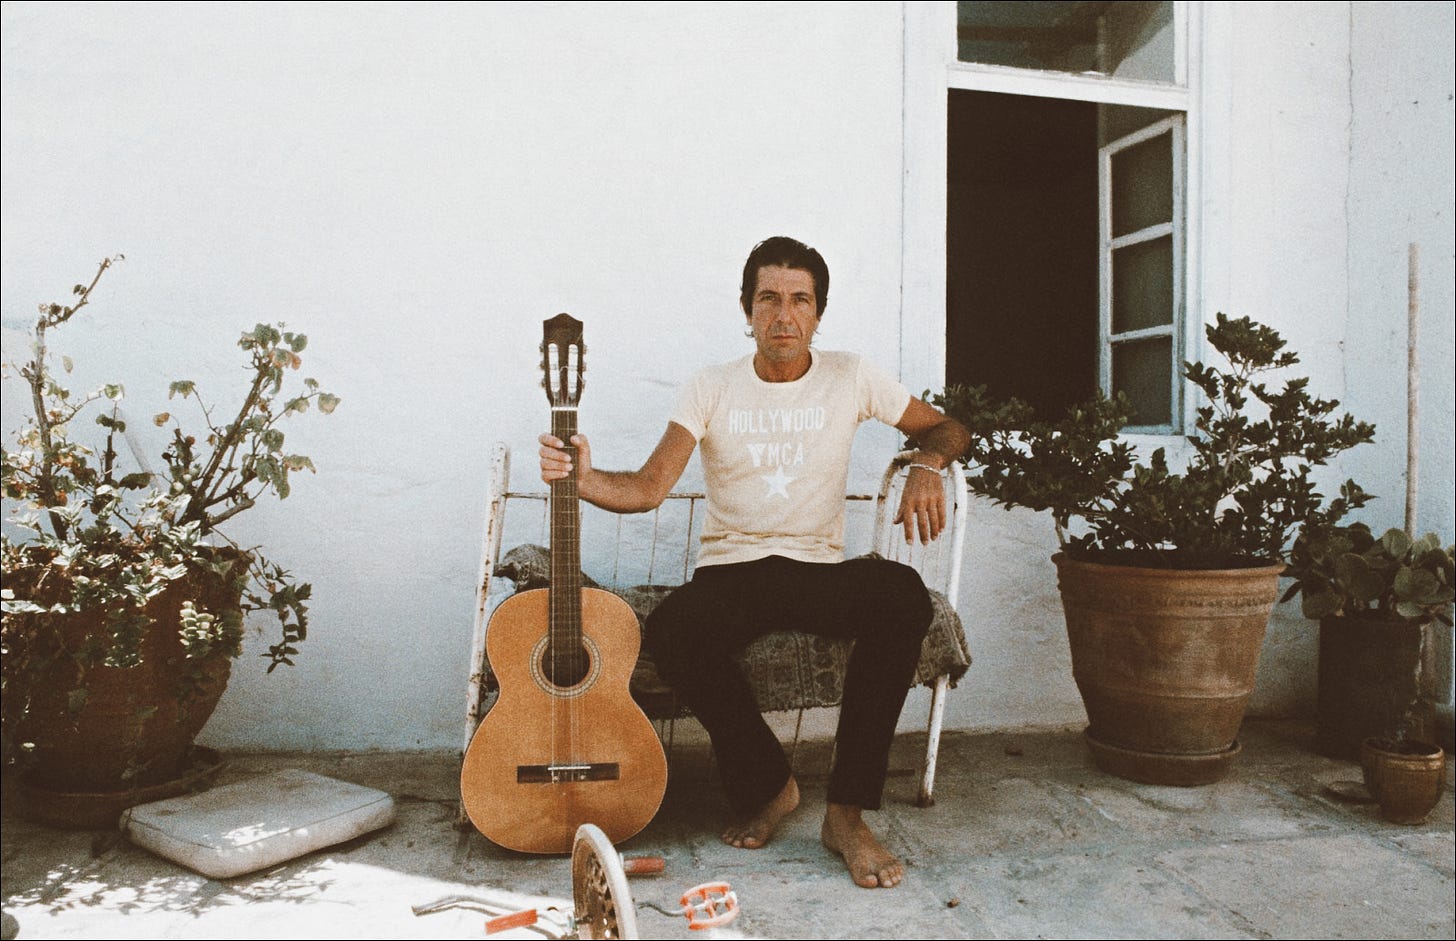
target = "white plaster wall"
x: 1402, y: 167
x: 416, y: 188
x: 1401, y: 191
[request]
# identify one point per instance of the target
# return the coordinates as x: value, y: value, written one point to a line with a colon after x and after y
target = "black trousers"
x: 881, y: 605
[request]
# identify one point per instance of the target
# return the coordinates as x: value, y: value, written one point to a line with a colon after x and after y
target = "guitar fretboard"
x: 565, y: 652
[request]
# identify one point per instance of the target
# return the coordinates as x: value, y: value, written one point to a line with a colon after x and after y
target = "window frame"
x: 1108, y: 338
x: 931, y: 71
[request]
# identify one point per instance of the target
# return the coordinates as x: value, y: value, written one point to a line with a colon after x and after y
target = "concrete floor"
x: 1027, y: 839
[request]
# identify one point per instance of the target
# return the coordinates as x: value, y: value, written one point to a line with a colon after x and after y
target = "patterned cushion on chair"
x: 787, y: 670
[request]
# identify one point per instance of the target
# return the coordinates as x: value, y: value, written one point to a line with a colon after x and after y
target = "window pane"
x: 1143, y: 370
x: 1116, y: 121
x: 1142, y: 185
x: 1142, y: 285
x: 1132, y: 40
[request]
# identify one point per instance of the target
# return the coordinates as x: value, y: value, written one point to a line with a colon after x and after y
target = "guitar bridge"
x: 568, y: 773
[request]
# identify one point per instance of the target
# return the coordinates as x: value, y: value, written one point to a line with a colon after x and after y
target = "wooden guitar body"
x: 564, y: 744
x: 592, y: 730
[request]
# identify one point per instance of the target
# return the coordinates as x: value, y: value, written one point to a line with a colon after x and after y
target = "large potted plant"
x: 1168, y: 575
x: 124, y: 599
x: 1379, y: 602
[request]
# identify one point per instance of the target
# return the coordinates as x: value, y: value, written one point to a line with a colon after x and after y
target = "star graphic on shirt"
x: 778, y: 483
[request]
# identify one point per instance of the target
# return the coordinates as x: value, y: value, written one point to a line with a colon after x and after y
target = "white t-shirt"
x: 776, y: 454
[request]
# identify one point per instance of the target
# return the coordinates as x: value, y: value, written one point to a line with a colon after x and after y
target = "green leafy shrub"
x: 1346, y: 570
x: 1247, y: 485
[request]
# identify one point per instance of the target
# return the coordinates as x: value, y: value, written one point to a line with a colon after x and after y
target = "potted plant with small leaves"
x: 1380, y: 602
x: 124, y: 598
x: 1168, y: 575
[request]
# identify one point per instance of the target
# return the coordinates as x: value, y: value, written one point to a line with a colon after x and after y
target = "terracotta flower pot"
x: 85, y: 727
x: 1406, y: 777
x: 1165, y: 661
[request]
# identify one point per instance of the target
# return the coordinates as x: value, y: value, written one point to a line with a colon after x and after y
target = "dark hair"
x: 786, y: 253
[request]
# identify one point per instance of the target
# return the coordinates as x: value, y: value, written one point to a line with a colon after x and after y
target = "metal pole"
x: 1413, y: 381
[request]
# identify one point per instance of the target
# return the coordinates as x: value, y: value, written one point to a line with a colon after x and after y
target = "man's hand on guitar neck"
x: 556, y: 462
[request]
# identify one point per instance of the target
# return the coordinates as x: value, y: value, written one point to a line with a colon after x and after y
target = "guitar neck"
x: 565, y: 544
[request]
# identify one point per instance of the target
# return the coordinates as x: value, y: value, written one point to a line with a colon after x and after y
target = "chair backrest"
x: 938, y: 563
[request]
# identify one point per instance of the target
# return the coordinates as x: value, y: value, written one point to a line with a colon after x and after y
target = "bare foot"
x: 870, y: 864
x: 755, y: 832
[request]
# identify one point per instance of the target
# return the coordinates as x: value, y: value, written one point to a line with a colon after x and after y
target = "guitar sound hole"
x: 566, y: 668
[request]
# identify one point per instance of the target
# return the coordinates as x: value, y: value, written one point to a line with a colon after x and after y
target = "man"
x: 776, y: 429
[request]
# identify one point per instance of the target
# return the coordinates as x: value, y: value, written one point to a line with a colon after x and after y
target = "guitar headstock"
x: 562, y: 361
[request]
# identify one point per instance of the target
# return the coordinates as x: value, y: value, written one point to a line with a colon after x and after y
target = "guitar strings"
x: 553, y: 648
x: 565, y: 613
x: 574, y: 600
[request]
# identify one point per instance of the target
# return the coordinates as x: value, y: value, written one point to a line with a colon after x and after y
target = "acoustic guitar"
x: 564, y: 744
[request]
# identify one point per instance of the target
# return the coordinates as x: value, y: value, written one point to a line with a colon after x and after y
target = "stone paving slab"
x: 1026, y: 839
x: 1091, y: 894
x: 1344, y: 886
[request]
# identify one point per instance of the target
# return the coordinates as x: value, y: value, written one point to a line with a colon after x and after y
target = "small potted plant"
x: 1379, y: 602
x: 124, y: 599
x: 1168, y: 576
x: 1406, y: 776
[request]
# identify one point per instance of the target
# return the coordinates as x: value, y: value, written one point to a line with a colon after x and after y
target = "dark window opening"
x: 1021, y: 248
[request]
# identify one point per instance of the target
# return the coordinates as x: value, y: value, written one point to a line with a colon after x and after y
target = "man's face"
x: 785, y: 313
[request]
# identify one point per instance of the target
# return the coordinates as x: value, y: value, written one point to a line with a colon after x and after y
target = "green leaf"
x: 1367, y: 587
x: 1356, y: 578
x: 262, y: 335
x: 1396, y: 542
x: 1410, y: 610
x: 1416, y: 585
x: 327, y: 402
x: 182, y: 387
x: 76, y: 700
x: 1350, y: 566
x: 1320, y: 604
x: 113, y: 391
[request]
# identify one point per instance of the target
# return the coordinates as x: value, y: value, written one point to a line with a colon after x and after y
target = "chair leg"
x: 794, y: 749
x: 932, y: 741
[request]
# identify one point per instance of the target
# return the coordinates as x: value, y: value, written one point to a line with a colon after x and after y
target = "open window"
x: 1067, y: 195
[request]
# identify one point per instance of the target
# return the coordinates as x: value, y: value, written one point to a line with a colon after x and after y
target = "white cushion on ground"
x: 259, y: 822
